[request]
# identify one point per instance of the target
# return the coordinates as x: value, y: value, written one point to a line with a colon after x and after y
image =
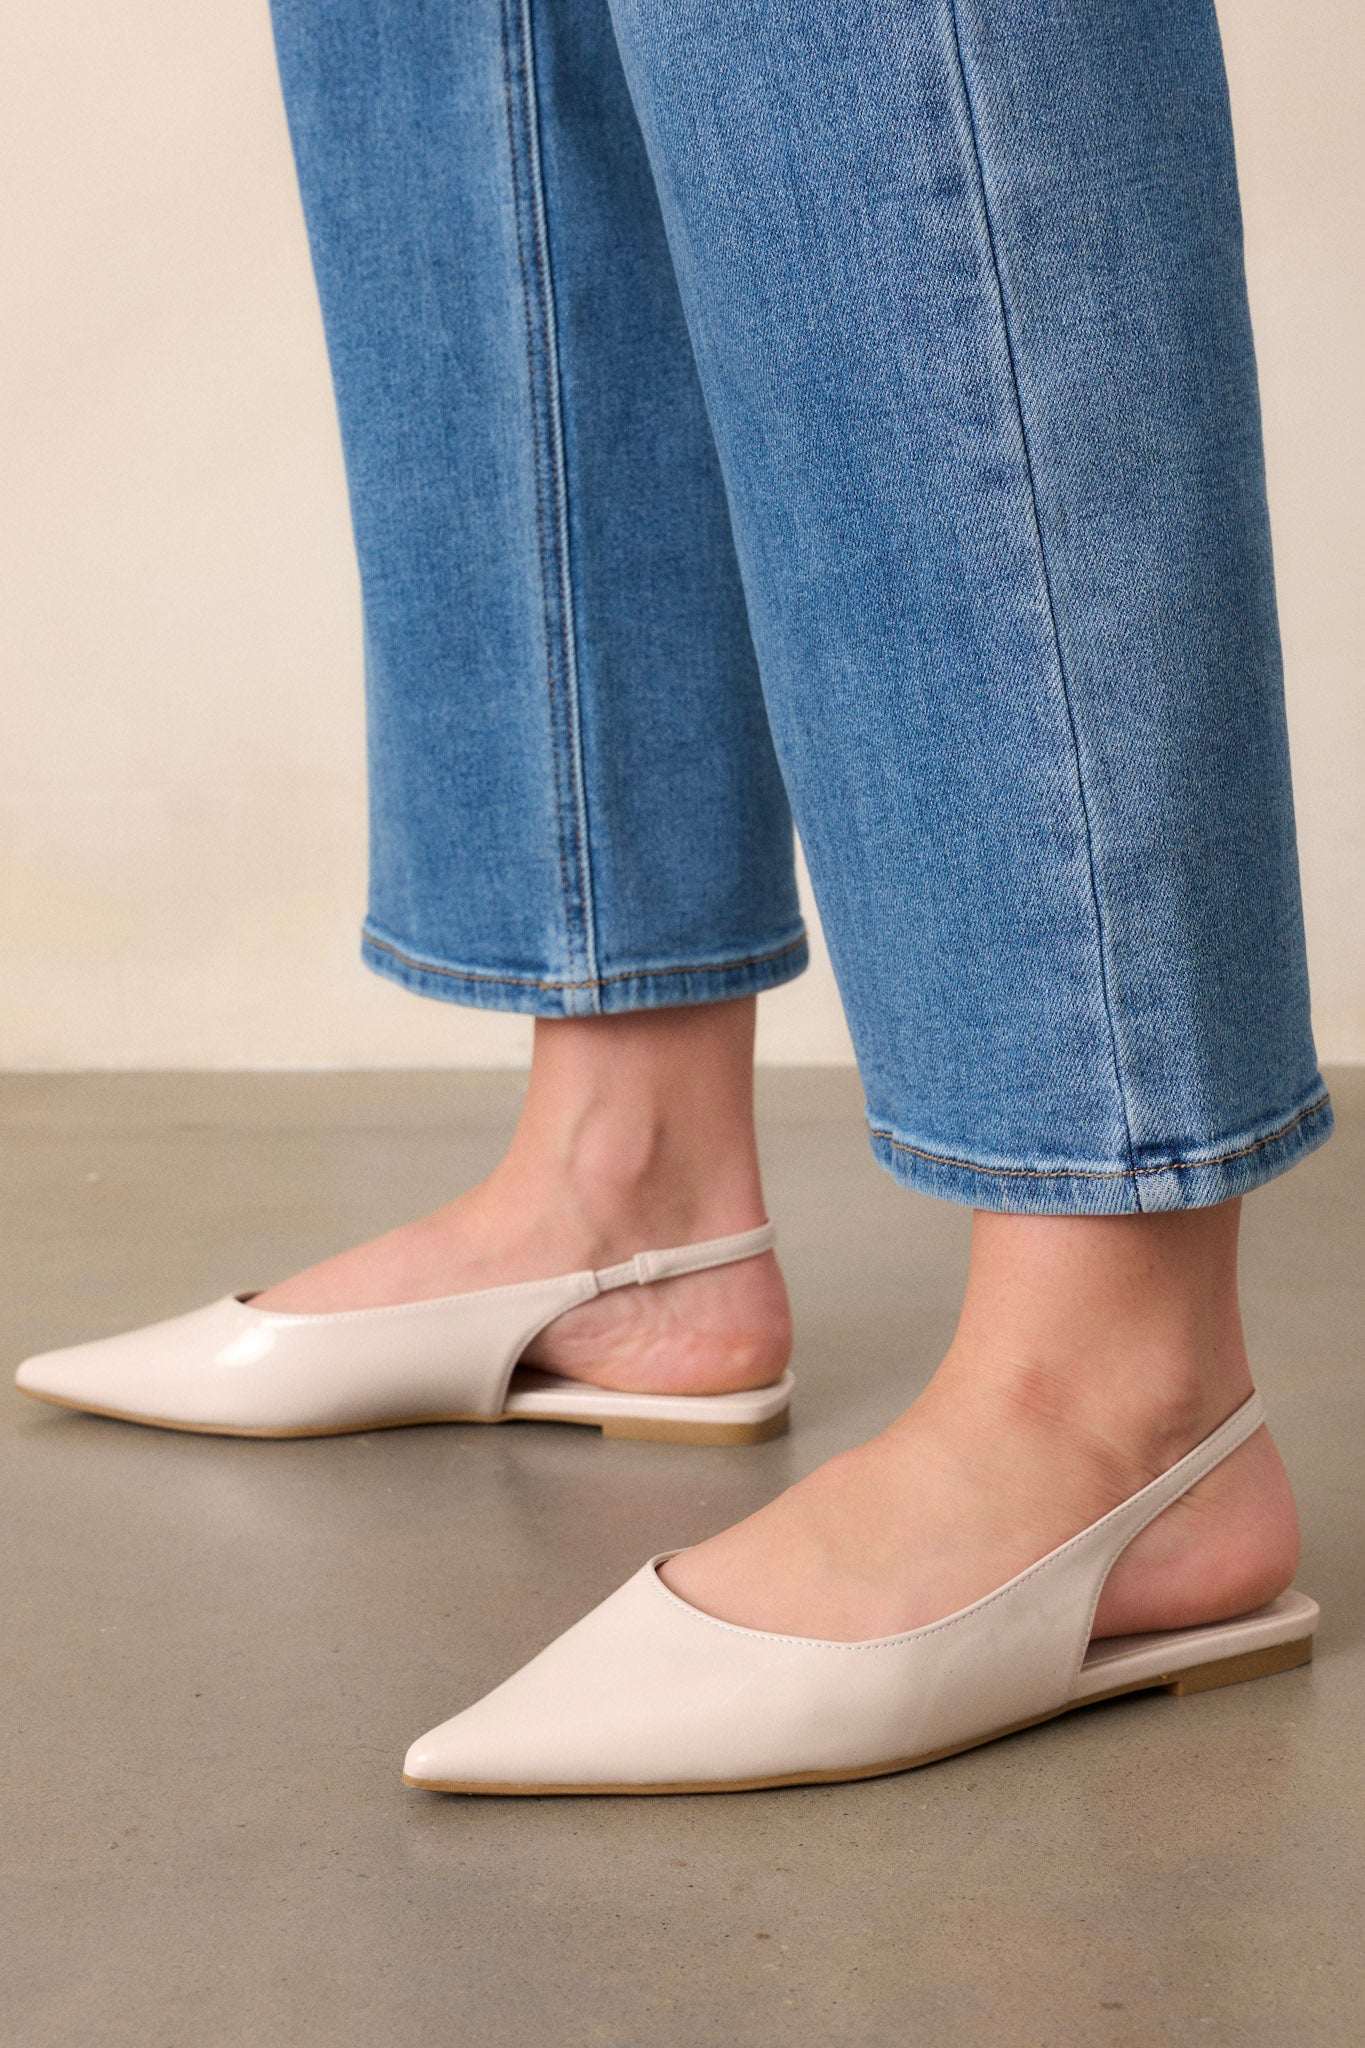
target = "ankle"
x: 642, y: 1127
x: 1124, y: 1332
x: 641, y: 1157
x: 627, y: 1184
x: 1125, y: 1413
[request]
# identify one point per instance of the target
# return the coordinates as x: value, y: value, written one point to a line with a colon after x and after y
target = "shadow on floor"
x: 217, y: 1651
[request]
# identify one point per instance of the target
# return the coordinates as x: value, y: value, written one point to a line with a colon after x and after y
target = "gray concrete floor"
x: 217, y: 1652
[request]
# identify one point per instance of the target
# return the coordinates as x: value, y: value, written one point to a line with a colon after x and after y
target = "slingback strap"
x: 1130, y: 1519
x: 1018, y: 1652
x: 687, y: 1258
x: 1087, y: 1560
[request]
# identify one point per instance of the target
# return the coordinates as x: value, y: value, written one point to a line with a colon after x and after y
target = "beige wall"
x: 180, y: 781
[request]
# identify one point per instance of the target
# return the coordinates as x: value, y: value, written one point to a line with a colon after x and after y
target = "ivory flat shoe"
x: 647, y: 1694
x: 234, y: 1370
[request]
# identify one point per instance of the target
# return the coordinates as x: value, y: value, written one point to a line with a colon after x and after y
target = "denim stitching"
x: 600, y: 981
x: 1100, y: 934
x: 549, y: 457
x: 535, y: 437
x: 1101, y: 1173
x: 559, y: 482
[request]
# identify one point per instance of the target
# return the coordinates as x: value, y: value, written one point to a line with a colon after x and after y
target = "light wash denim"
x: 848, y: 403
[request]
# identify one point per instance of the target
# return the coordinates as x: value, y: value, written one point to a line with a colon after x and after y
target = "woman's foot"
x: 1092, y: 1354
x: 637, y: 1133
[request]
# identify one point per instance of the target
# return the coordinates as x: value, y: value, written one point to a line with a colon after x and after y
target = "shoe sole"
x: 639, y: 1429
x: 1197, y: 1678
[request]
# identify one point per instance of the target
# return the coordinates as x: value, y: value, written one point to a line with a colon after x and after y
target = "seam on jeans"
x: 1096, y: 1172
x: 535, y: 446
x: 1100, y: 932
x: 528, y: 188
x: 559, y: 476
x: 599, y: 981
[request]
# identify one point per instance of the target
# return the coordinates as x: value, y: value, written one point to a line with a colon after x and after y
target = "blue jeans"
x: 850, y: 405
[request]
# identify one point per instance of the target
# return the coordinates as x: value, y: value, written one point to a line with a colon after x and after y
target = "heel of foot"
x: 1252, y: 1664
x: 657, y: 1432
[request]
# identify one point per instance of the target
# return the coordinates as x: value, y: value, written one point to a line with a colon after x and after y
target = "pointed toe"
x: 647, y: 1694
x: 233, y: 1369
x: 422, y: 1764
x: 157, y: 1374
x: 509, y: 1741
x: 42, y: 1375
x: 472, y: 1753
x: 70, y: 1377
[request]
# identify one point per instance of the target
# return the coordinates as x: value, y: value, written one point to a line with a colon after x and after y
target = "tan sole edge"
x: 692, y: 1432
x: 1251, y: 1664
x: 1200, y: 1678
x: 614, y: 1426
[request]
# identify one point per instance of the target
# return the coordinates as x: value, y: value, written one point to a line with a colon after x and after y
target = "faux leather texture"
x: 649, y: 1690
x: 233, y: 1366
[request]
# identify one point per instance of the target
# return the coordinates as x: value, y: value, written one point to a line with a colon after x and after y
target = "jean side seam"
x: 1046, y: 574
x: 537, y: 461
x: 598, y: 981
x: 568, y: 605
x: 1319, y: 1103
x: 548, y: 452
x: 573, y: 733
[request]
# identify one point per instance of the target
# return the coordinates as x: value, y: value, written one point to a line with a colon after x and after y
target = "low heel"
x: 1252, y: 1664
x: 649, y: 1431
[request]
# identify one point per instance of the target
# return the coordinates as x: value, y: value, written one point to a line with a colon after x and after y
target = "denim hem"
x: 655, y: 987
x: 1233, y: 1166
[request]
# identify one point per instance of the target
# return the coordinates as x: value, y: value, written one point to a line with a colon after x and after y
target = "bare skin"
x: 637, y: 1133
x: 1092, y: 1352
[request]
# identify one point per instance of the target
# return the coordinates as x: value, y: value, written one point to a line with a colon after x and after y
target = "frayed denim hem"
x: 1188, y: 1180
x: 644, y: 988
